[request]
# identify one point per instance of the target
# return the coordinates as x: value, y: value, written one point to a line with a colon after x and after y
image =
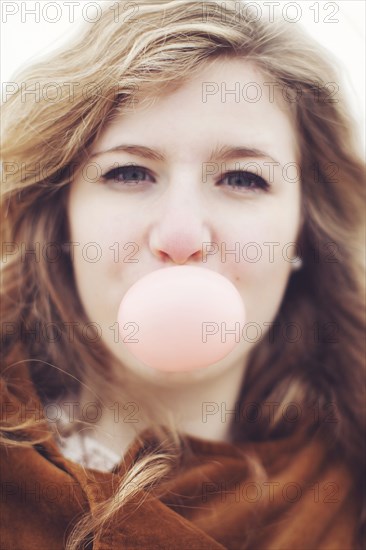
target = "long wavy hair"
x: 161, y: 45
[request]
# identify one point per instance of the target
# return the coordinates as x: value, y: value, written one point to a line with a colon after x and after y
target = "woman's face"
x: 176, y: 196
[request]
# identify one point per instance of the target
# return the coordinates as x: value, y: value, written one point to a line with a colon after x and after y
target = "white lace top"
x: 82, y: 447
x: 88, y: 452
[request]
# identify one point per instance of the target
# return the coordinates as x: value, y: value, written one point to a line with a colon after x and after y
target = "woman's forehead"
x: 230, y: 100
x: 218, y: 76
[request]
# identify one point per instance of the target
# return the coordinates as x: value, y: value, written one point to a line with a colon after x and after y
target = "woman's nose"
x: 181, y: 230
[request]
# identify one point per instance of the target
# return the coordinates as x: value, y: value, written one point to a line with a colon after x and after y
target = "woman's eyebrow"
x: 225, y: 152
x: 139, y: 150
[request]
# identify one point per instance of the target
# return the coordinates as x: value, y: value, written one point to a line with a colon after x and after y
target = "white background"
x: 340, y: 26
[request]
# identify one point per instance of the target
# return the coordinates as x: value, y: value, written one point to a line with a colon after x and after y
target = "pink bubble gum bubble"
x: 180, y: 317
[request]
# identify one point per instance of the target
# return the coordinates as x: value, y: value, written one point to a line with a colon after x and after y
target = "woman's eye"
x: 130, y: 174
x: 245, y: 180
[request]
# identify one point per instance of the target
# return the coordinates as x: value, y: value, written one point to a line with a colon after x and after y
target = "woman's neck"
x: 204, y: 409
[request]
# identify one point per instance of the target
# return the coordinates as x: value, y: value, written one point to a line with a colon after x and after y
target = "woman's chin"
x: 174, y: 378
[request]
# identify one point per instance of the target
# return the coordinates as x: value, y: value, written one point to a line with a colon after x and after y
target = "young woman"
x: 166, y: 127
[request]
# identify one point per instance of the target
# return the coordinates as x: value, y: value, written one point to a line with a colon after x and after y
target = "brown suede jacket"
x: 308, y: 501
